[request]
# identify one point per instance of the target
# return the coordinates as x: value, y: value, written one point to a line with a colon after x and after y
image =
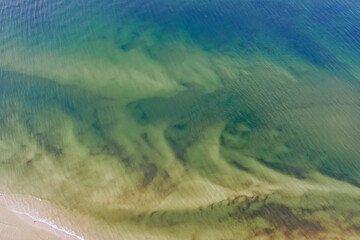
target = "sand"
x: 20, y: 224
x: 14, y: 227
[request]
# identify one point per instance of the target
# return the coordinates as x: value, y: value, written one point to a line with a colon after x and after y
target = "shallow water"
x: 233, y: 119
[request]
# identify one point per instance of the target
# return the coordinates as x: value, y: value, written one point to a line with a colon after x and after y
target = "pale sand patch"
x: 12, y: 227
x: 18, y: 222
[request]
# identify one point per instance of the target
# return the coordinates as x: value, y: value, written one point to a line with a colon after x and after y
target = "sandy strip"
x: 18, y: 223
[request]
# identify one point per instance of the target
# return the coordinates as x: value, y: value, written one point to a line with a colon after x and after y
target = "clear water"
x: 232, y: 119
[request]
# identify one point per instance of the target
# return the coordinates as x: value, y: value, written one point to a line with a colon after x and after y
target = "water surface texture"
x: 183, y: 119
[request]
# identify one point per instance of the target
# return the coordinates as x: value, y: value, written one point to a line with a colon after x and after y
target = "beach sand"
x: 15, y: 227
x: 18, y: 221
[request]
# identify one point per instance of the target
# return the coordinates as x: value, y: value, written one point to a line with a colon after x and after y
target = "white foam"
x: 39, y: 199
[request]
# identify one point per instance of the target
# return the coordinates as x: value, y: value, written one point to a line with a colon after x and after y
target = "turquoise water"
x: 185, y: 119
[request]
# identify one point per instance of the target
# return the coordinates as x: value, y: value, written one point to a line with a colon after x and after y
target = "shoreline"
x: 16, y: 215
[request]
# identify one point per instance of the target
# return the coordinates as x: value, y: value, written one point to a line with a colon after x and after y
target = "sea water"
x: 182, y: 119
